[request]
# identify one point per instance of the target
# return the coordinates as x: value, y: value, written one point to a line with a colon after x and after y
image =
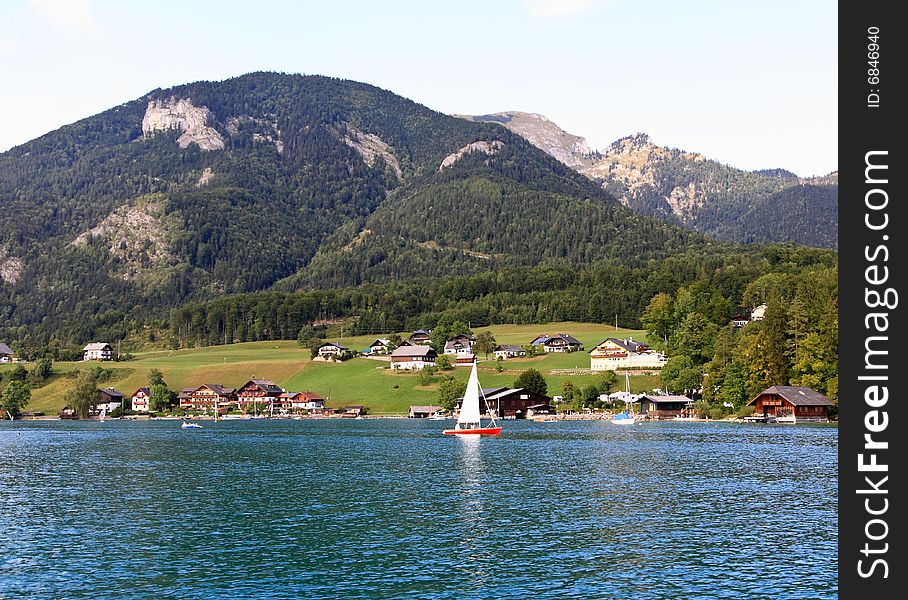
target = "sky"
x: 750, y: 84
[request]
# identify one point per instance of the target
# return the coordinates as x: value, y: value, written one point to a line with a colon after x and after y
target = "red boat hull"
x: 483, y: 431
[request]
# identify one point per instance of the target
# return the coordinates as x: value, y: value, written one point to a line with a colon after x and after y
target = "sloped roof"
x: 341, y: 346
x: 404, y: 351
x: 509, y: 347
x: 266, y: 385
x: 797, y: 395
x: 96, y: 346
x: 628, y: 344
x: 4, y: 349
x: 144, y: 390
x: 431, y: 408
x: 666, y: 398
x: 544, y: 337
x: 217, y: 389
x: 112, y: 392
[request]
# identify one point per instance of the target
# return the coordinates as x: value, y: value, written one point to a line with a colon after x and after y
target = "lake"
x: 391, y: 508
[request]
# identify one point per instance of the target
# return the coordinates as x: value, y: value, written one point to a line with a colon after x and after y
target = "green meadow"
x: 358, y: 381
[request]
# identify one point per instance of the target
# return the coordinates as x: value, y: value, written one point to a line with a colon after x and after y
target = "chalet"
x: 740, y: 320
x: 422, y: 412
x: 664, y: 406
x: 353, y: 410
x: 109, y: 399
x: 464, y: 338
x: 209, y: 396
x: 421, y: 337
x: 791, y: 404
x: 514, y: 403
x: 97, y: 351
x: 455, y: 347
x: 758, y: 313
x: 257, y: 392
x: 560, y: 342
x: 505, y: 351
x: 614, y: 353
x: 6, y: 353
x: 380, y: 346
x: 413, y: 357
x: 330, y: 350
x: 185, y: 395
x: 141, y: 400
x: 301, y: 401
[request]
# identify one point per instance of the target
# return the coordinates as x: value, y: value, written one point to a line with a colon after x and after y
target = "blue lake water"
x: 393, y: 509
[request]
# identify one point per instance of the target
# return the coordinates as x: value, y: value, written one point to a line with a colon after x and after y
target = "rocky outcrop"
x: 489, y: 148
x: 370, y: 147
x: 136, y: 235
x: 572, y: 150
x: 10, y: 267
x: 206, y: 176
x: 166, y: 115
x: 263, y: 130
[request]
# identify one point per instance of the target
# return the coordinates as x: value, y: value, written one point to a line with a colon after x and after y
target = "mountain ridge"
x: 288, y: 182
x: 691, y: 190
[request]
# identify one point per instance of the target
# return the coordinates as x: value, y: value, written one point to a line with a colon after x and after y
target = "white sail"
x: 469, y: 410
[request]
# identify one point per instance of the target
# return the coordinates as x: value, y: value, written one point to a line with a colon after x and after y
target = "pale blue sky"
x: 751, y: 84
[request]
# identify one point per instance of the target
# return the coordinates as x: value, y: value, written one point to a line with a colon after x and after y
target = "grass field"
x: 358, y: 381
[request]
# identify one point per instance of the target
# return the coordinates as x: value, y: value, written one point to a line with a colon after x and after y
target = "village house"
x: 513, y: 403
x: 6, y: 354
x: 422, y: 412
x: 465, y: 339
x: 109, y: 400
x: 209, y: 396
x: 758, y: 313
x: 560, y: 342
x: 353, y: 410
x: 740, y: 320
x: 97, y: 351
x: 330, y: 350
x: 457, y: 346
x: 257, y: 392
x: 614, y: 353
x: 506, y: 351
x: 421, y: 337
x: 185, y: 395
x: 141, y: 400
x: 665, y: 406
x: 791, y: 404
x: 379, y: 346
x: 301, y: 401
x: 411, y: 358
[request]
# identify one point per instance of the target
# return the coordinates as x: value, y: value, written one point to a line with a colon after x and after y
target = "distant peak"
x: 637, y: 139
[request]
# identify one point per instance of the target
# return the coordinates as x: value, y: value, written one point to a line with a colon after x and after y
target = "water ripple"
x: 392, y: 509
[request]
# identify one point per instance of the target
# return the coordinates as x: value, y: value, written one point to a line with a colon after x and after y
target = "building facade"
x: 792, y: 404
x: 411, y: 358
x: 613, y: 353
x: 97, y: 351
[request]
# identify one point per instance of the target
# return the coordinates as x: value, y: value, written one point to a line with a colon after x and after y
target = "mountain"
x: 283, y: 182
x: 772, y: 205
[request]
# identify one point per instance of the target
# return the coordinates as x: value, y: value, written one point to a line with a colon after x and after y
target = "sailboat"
x: 626, y: 418
x: 470, y: 420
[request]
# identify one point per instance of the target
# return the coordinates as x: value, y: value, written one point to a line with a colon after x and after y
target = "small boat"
x: 626, y: 418
x: 469, y: 422
x: 190, y: 425
x: 439, y: 416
